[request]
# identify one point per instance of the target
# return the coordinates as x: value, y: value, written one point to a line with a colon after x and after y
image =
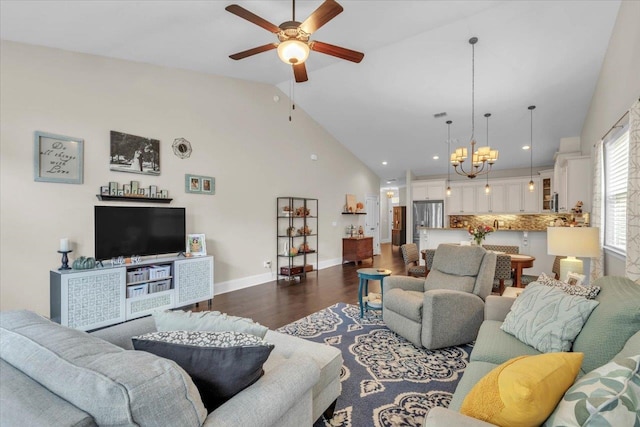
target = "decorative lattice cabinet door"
x: 193, y: 280
x: 88, y: 300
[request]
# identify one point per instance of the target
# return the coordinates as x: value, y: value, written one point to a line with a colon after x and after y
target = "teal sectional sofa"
x: 611, y: 331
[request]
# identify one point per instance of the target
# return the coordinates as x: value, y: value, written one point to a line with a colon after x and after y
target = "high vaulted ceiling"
x: 417, y: 63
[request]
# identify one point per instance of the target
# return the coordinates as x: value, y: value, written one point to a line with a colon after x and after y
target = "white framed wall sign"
x: 58, y: 158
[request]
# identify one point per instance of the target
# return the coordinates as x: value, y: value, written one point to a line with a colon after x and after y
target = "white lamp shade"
x: 293, y: 51
x: 583, y: 242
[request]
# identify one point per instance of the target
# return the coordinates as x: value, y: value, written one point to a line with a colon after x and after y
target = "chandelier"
x: 484, y: 157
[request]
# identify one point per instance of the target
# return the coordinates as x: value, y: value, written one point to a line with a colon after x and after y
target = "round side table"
x: 364, y: 275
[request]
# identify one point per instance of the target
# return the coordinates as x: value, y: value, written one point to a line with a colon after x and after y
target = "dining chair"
x: 411, y: 258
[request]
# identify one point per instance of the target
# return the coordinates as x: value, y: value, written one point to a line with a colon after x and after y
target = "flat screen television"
x: 126, y: 231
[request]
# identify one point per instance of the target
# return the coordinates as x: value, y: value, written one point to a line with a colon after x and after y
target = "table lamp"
x: 573, y: 242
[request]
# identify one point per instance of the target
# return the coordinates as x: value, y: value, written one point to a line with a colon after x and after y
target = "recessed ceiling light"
x: 525, y: 147
x: 436, y: 157
x: 384, y: 163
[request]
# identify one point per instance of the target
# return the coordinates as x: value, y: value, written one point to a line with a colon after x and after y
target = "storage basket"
x: 137, y: 275
x: 159, y: 271
x: 137, y: 290
x: 159, y: 286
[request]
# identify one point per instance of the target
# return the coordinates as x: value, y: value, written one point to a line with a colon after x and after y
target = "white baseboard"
x: 258, y: 279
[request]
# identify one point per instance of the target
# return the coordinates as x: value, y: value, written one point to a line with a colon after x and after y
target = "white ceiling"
x: 417, y: 63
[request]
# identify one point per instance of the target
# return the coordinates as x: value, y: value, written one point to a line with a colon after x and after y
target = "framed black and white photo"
x: 135, y: 154
x: 199, y: 184
x: 58, y: 158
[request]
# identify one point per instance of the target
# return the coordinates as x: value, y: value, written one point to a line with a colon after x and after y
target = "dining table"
x: 519, y: 262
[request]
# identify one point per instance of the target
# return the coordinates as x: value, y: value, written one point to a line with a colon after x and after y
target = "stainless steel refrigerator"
x: 427, y: 213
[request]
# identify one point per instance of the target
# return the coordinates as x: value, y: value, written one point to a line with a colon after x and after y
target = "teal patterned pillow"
x: 606, y: 396
x: 546, y: 318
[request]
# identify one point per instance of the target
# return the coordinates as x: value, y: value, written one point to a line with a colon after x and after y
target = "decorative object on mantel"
x: 135, y: 154
x: 64, y: 250
x: 482, y: 159
x: 181, y: 148
x: 351, y: 203
x: 84, y: 263
x: 58, y: 158
x: 132, y: 192
x: 196, y: 245
x: 480, y: 232
x: 198, y: 184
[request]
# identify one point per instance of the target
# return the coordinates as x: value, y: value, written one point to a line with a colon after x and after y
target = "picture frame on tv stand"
x: 196, y: 245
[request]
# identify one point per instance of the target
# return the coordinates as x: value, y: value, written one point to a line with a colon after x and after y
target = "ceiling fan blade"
x: 323, y: 14
x: 254, y: 51
x: 252, y: 17
x: 300, y: 73
x: 340, y: 52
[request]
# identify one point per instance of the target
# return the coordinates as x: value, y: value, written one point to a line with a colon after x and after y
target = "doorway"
x: 372, y: 221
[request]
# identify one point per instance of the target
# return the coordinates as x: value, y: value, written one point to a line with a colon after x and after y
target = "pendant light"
x: 487, y: 188
x: 531, y: 185
x: 449, y: 169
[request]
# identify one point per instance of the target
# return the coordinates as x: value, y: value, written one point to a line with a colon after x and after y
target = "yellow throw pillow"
x: 522, y: 391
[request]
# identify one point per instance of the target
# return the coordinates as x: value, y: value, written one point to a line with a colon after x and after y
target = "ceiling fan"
x: 294, y: 44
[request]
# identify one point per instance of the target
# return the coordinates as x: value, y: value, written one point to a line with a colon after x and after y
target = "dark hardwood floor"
x: 278, y: 303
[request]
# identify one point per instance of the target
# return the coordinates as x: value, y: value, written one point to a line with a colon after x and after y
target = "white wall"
x: 618, y: 87
x: 239, y: 135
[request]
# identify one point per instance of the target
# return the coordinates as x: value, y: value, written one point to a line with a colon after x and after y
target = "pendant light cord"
x: 473, y: 90
x: 531, y: 146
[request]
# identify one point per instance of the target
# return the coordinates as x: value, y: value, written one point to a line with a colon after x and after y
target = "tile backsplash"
x: 520, y: 222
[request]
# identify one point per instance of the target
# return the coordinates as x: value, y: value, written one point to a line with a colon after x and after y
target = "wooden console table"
x: 356, y: 249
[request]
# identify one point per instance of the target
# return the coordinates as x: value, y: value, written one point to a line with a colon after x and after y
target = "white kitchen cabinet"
x: 573, y: 176
x: 462, y: 200
x: 428, y: 190
x: 494, y: 202
x: 519, y: 199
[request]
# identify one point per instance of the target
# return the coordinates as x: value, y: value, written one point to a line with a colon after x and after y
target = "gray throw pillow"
x: 546, y: 318
x: 214, y: 321
x: 221, y: 364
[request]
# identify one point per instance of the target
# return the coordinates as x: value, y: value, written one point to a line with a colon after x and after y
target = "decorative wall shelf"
x: 354, y: 213
x: 132, y: 199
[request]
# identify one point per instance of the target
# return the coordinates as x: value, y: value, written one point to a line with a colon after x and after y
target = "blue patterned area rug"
x: 386, y: 380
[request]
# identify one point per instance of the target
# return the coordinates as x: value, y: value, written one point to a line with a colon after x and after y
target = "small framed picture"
x: 134, y: 187
x: 199, y: 184
x: 208, y: 185
x: 126, y: 188
x: 164, y: 194
x: 153, y: 190
x: 575, y: 279
x: 58, y: 158
x: 196, y: 245
x: 104, y: 190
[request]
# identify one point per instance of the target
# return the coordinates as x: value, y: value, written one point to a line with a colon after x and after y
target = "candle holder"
x: 65, y: 260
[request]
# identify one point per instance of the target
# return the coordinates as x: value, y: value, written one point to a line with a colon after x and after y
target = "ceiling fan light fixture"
x: 293, y: 51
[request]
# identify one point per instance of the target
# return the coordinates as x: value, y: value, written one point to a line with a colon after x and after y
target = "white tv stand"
x: 94, y: 298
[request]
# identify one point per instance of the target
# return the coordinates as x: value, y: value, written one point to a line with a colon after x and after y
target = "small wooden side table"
x: 366, y: 274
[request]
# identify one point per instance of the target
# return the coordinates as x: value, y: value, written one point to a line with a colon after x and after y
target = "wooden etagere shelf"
x: 296, y: 227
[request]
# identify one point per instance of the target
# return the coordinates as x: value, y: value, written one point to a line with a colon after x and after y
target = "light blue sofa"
x: 51, y: 375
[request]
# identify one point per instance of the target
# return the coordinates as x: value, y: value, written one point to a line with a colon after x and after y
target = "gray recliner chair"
x: 447, y: 307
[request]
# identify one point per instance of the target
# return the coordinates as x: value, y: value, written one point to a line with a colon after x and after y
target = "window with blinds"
x: 616, y: 167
